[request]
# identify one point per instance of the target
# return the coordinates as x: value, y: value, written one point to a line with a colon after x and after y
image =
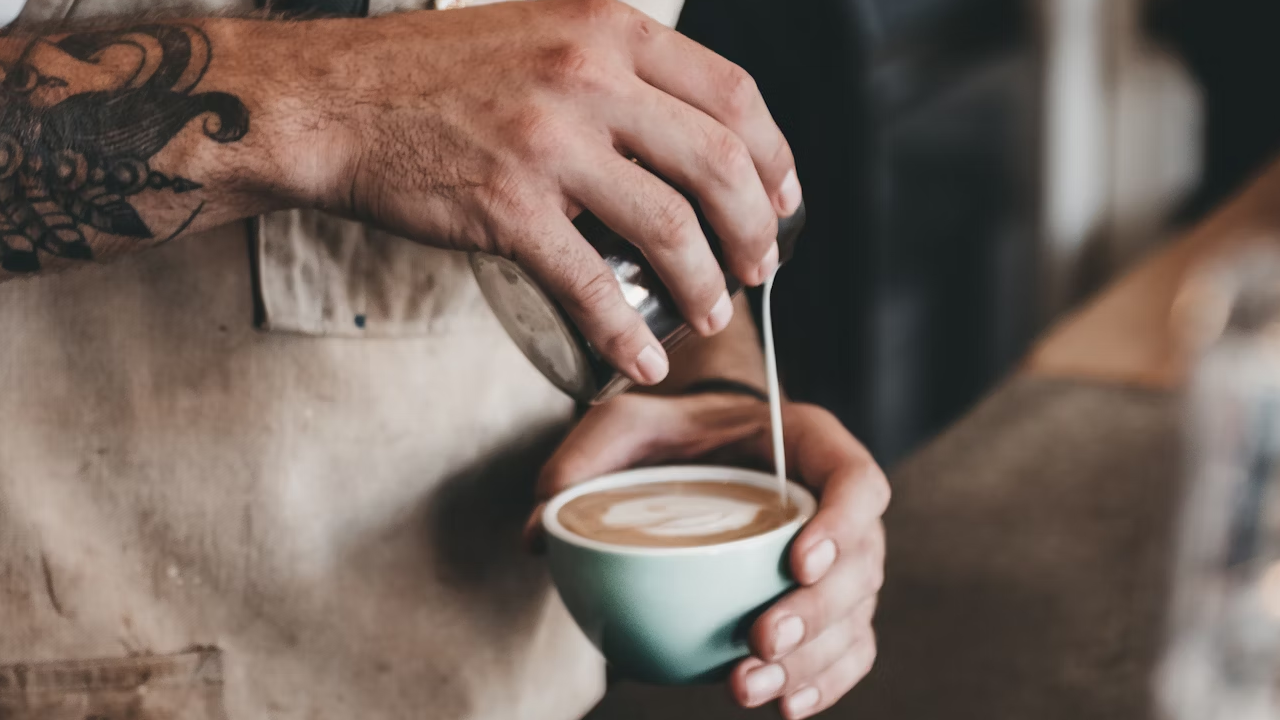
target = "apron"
x: 204, y: 520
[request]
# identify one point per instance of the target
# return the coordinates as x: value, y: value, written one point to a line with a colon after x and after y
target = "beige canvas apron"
x: 201, y: 520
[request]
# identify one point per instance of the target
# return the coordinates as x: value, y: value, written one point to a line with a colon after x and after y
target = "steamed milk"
x: 775, y: 394
x: 676, y: 514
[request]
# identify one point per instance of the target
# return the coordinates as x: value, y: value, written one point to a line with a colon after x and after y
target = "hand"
x: 489, y: 128
x: 817, y: 642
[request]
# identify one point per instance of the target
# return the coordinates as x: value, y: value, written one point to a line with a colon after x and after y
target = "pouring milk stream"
x: 775, y: 395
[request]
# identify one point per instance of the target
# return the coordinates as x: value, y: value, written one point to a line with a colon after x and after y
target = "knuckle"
x: 766, y: 227
x: 876, y: 545
x: 879, y: 537
x: 538, y: 134
x: 738, y: 92
x: 874, y: 576
x: 573, y: 67
x: 642, y: 29
x: 673, y: 222
x: 821, y: 610
x: 592, y: 297
x: 881, y: 492
x: 869, y: 655
x: 593, y: 293
x: 727, y: 157
x: 508, y: 198
x: 622, y: 342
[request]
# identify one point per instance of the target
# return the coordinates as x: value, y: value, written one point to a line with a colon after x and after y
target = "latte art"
x: 681, y: 516
x: 676, y: 514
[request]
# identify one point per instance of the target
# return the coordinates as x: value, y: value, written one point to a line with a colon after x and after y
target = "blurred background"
x: 973, y: 170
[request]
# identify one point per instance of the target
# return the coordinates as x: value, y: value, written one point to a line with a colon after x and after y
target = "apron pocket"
x: 321, y: 275
x: 187, y: 686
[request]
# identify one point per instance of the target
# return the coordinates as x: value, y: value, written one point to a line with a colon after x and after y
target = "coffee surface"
x: 676, y: 514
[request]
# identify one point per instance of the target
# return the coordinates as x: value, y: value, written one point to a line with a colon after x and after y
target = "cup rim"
x: 675, y: 473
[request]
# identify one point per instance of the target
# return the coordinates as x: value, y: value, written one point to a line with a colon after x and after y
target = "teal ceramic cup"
x: 671, y: 615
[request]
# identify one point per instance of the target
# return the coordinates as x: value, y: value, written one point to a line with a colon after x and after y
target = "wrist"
x: 295, y: 151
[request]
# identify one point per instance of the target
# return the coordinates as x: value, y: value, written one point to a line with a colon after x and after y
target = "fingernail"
x: 764, y: 683
x: 787, y: 635
x: 721, y: 314
x: 790, y: 194
x: 652, y: 364
x: 819, y: 560
x: 800, y: 701
x: 769, y: 263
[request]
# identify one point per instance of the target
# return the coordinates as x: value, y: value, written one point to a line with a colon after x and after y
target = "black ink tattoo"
x: 78, y: 163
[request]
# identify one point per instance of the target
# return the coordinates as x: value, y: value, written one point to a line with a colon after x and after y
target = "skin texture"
x: 477, y: 129
x: 815, y: 644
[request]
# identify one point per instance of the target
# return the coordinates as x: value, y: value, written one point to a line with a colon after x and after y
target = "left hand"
x: 816, y: 643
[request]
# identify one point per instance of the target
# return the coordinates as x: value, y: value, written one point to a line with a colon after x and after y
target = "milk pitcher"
x: 546, y: 335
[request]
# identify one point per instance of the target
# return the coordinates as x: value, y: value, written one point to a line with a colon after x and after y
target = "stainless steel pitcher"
x: 546, y: 335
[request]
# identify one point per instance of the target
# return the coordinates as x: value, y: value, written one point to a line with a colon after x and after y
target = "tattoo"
x: 71, y: 163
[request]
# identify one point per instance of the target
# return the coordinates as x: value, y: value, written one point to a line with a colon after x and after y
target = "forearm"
x: 733, y: 354
x: 113, y: 141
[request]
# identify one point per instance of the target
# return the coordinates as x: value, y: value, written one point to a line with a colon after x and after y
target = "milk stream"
x: 775, y: 397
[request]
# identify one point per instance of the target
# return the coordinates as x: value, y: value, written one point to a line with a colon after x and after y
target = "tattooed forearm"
x: 83, y: 119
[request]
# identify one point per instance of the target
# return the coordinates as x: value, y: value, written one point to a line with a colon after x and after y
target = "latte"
x: 676, y: 514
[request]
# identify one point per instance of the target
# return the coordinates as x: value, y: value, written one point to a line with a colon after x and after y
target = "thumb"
x: 610, y: 437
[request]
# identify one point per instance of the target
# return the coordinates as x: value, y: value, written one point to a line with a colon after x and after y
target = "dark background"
x: 912, y: 121
x: 915, y: 125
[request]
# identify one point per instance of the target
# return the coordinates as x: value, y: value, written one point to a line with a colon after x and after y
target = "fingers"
x: 849, y: 512
x: 609, y: 437
x: 832, y: 662
x: 809, y: 611
x: 658, y: 220
x: 853, y: 491
x: 815, y: 644
x: 709, y: 160
x: 833, y: 683
x: 818, y: 447
x: 681, y: 67
x: 567, y: 267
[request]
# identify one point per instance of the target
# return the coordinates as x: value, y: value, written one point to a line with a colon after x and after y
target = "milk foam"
x: 681, y: 516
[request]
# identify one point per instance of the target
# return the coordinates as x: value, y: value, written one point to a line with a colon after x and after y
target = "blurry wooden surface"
x: 1127, y: 334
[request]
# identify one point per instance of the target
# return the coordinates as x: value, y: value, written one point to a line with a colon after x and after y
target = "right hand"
x: 489, y: 128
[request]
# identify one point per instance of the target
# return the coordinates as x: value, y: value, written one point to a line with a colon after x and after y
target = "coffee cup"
x: 673, y: 611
